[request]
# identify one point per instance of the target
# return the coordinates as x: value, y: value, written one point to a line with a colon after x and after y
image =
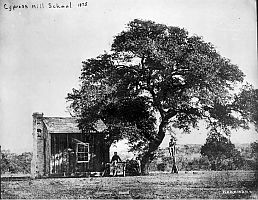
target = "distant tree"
x: 254, y: 149
x: 4, y: 161
x: 24, y: 162
x: 254, y: 153
x: 157, y: 76
x: 221, y: 153
x: 254, y: 108
x: 14, y: 163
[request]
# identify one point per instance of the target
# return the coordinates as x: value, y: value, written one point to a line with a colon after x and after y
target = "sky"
x: 41, y: 51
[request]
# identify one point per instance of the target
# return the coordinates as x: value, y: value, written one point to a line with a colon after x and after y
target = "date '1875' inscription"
x: 68, y: 5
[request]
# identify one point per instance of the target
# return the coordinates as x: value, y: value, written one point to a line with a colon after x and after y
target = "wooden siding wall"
x: 63, y: 158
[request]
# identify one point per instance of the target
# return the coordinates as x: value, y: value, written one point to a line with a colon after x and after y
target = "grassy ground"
x: 232, y: 184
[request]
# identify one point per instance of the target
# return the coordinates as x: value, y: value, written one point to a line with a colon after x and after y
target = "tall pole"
x: 0, y: 172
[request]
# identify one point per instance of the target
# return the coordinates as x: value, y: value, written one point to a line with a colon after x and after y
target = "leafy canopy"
x: 157, y: 75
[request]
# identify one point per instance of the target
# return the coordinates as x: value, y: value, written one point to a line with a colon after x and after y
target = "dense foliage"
x: 156, y: 76
x: 189, y: 158
x: 14, y: 163
x: 132, y: 168
x: 221, y: 153
x: 254, y: 147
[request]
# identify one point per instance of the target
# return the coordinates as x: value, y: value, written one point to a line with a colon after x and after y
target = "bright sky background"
x: 41, y: 51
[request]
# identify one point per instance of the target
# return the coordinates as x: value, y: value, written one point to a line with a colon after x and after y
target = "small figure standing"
x: 114, y: 161
x: 172, y: 152
x: 172, y: 147
x: 138, y: 164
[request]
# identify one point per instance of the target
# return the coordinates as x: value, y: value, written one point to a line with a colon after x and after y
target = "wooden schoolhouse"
x: 61, y: 149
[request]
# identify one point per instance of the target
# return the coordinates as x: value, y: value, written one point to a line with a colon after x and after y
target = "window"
x: 39, y: 132
x: 82, y: 152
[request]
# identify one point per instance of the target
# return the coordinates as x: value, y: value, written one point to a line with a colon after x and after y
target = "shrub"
x: 132, y: 168
x: 14, y: 163
x: 161, y: 166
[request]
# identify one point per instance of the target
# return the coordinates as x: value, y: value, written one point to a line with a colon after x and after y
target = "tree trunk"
x: 145, y: 163
x: 153, y: 146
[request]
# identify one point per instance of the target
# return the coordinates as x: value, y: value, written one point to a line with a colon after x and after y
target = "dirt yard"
x: 232, y: 184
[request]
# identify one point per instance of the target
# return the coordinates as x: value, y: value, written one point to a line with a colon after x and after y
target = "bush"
x: 161, y: 166
x: 14, y: 163
x: 132, y: 168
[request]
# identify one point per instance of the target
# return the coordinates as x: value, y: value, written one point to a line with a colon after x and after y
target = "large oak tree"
x: 157, y: 76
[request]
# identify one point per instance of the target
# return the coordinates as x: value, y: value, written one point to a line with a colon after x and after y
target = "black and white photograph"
x: 128, y: 99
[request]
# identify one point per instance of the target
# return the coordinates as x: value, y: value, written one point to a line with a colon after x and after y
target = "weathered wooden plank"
x: 54, y: 152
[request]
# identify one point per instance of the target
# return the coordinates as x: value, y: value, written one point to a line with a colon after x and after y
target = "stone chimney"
x: 37, y: 115
x: 37, y: 167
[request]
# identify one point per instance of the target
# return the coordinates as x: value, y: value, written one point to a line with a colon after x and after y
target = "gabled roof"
x: 68, y: 125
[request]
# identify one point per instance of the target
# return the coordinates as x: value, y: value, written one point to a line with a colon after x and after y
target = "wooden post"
x: 0, y: 172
